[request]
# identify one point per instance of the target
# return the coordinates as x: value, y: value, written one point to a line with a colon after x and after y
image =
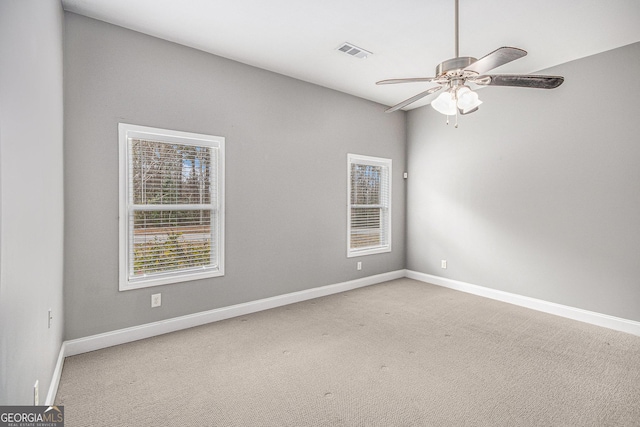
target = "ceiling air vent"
x: 354, y: 51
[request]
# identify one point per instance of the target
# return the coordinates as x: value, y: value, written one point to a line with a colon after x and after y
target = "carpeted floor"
x: 401, y: 353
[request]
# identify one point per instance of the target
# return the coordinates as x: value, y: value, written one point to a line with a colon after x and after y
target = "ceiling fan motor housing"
x: 455, y: 67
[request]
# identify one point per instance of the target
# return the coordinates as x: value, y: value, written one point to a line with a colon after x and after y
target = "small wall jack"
x: 156, y: 300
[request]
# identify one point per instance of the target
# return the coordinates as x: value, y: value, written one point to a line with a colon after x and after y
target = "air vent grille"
x: 354, y: 51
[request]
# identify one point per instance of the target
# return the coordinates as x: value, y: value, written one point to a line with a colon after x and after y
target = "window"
x: 369, y: 205
x: 171, y: 206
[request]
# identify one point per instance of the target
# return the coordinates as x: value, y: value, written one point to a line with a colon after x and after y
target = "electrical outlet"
x: 443, y: 263
x: 36, y: 397
x: 156, y: 300
x: 359, y: 266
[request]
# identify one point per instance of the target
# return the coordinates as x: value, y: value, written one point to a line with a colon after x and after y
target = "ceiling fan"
x: 453, y: 75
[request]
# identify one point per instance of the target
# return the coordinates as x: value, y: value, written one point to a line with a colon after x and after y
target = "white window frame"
x: 127, y: 132
x: 373, y: 161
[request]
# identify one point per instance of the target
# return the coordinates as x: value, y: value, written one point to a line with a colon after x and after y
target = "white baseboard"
x: 55, y: 380
x: 604, y: 320
x: 122, y: 336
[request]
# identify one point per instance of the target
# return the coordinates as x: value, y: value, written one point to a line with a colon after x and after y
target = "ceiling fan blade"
x: 410, y: 80
x: 516, y: 80
x: 413, y: 99
x: 495, y: 59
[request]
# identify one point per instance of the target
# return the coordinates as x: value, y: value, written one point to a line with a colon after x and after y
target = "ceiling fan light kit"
x: 453, y: 74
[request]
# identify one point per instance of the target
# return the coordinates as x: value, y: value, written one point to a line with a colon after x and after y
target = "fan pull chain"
x: 456, y: 124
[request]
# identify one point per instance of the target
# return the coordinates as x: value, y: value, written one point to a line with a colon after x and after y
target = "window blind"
x: 369, y: 204
x: 171, y: 206
x: 172, y: 212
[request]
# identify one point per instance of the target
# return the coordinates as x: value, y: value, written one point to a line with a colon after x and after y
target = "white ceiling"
x: 408, y: 38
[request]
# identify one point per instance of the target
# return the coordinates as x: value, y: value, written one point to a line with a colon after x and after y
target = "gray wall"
x: 31, y: 203
x: 286, y: 152
x: 538, y: 193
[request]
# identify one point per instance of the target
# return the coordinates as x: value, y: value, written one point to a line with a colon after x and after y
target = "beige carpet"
x: 401, y: 353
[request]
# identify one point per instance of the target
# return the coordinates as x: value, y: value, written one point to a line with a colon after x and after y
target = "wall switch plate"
x: 50, y: 319
x: 359, y: 265
x: 156, y: 300
x: 36, y: 397
x: 406, y: 175
x: 443, y: 263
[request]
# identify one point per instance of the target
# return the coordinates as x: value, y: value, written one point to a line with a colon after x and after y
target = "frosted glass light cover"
x: 467, y: 99
x: 445, y: 104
